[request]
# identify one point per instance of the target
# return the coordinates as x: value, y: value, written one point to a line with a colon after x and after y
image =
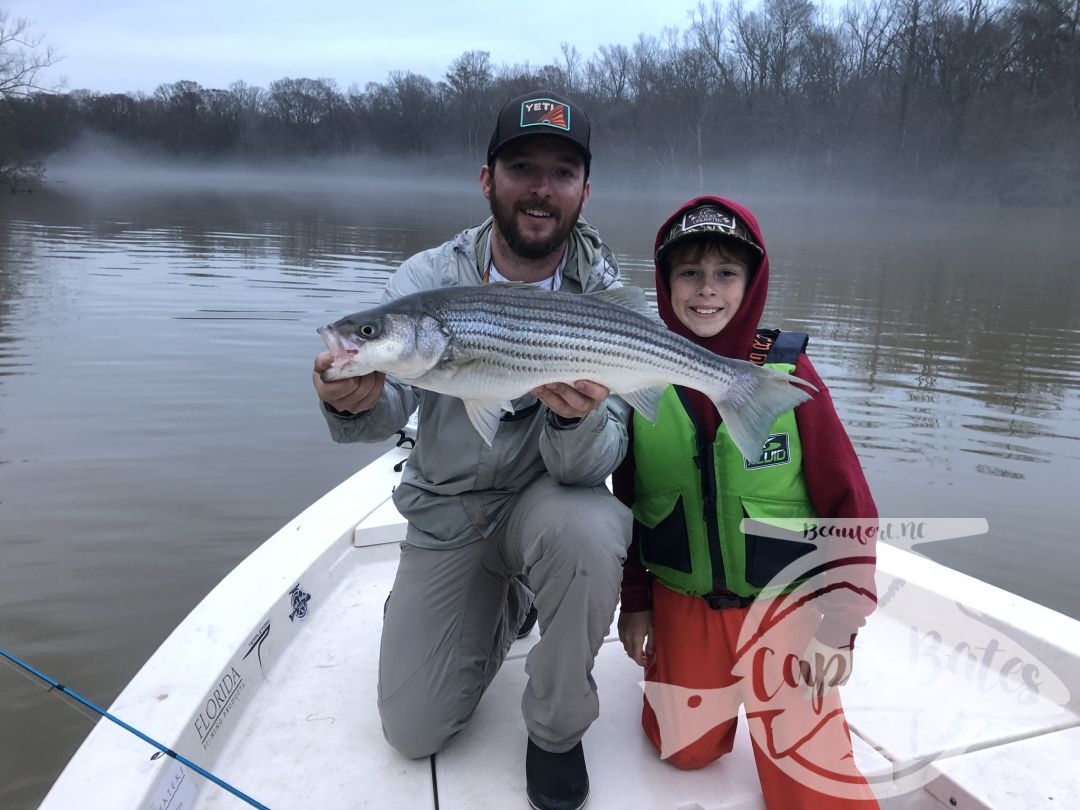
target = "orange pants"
x: 707, y: 663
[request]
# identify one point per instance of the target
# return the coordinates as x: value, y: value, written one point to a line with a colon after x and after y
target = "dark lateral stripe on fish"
x: 603, y: 336
x: 621, y: 346
x: 551, y: 340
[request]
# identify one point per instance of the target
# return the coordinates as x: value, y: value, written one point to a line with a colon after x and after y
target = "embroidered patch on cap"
x: 708, y: 215
x: 537, y: 112
x: 709, y: 219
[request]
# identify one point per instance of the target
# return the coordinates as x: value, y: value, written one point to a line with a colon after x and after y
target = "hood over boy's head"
x: 706, y: 223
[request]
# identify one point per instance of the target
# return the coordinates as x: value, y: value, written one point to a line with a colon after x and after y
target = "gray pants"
x: 453, y: 614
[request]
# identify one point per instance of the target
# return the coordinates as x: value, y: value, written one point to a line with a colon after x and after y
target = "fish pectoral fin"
x: 645, y: 401
x: 764, y: 395
x: 449, y: 361
x: 485, y: 416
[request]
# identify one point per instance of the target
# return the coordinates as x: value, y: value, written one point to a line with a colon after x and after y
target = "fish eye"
x: 368, y: 330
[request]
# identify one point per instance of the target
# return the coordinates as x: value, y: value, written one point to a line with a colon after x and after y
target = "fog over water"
x: 157, y: 421
x: 97, y: 164
x: 962, y: 101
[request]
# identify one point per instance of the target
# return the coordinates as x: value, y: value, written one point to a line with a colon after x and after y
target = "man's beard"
x: 519, y: 243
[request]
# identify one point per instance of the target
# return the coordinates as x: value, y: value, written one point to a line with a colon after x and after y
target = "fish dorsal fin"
x: 517, y: 287
x: 645, y: 401
x: 485, y: 416
x: 629, y: 297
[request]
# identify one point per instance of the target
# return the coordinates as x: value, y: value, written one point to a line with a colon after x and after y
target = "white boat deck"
x: 963, y: 696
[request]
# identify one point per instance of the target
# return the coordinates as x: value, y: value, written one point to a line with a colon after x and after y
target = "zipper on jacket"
x: 706, y: 465
x: 712, y: 522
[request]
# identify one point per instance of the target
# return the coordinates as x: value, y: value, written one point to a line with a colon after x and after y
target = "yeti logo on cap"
x: 545, y: 112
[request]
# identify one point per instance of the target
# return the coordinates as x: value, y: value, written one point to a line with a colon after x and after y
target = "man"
x: 533, y: 504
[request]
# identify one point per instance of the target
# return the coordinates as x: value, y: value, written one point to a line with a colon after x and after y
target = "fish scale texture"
x: 542, y: 332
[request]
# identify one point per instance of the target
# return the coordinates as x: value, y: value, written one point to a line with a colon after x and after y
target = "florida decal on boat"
x: 219, y: 703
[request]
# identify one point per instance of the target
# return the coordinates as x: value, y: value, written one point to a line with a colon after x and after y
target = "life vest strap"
x: 775, y: 346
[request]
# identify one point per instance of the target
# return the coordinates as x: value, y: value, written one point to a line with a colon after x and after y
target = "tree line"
x: 964, y: 97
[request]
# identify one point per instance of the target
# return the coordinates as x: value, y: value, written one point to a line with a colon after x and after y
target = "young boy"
x: 703, y: 604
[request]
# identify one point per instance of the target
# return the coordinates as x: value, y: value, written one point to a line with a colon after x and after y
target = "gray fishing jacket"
x: 455, y: 488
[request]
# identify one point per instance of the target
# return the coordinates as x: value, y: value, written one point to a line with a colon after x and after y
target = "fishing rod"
x: 161, y: 748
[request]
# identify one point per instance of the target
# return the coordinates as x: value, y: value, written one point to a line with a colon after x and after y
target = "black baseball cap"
x: 540, y: 112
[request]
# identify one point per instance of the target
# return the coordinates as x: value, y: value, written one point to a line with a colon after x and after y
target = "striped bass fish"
x: 491, y: 344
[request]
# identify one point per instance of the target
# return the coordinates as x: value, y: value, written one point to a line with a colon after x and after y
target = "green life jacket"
x: 690, y: 497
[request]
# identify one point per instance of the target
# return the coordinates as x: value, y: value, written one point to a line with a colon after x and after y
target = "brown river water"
x: 157, y: 420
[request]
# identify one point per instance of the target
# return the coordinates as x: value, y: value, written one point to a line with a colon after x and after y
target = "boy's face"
x: 706, y: 290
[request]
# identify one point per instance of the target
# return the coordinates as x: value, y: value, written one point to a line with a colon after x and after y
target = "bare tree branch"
x: 21, y: 58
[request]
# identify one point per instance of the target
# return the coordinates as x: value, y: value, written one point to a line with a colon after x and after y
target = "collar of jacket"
x: 586, y: 249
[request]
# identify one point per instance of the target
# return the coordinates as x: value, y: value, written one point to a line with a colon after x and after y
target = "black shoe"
x: 556, y: 781
x: 527, y: 625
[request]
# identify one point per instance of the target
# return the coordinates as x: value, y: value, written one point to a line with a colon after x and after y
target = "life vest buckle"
x: 719, y: 600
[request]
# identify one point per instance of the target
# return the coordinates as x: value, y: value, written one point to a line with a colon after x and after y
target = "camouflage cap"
x: 707, y: 219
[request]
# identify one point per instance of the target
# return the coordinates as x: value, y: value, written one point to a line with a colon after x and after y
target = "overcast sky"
x: 126, y: 45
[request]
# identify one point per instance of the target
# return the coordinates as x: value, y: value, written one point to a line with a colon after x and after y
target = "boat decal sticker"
x: 299, y: 603
x: 256, y: 643
x: 222, y: 699
x: 175, y: 790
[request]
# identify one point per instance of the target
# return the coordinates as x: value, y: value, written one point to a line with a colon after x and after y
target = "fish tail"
x: 762, y: 396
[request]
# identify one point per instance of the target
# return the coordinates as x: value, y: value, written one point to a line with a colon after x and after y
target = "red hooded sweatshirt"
x: 834, y: 477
